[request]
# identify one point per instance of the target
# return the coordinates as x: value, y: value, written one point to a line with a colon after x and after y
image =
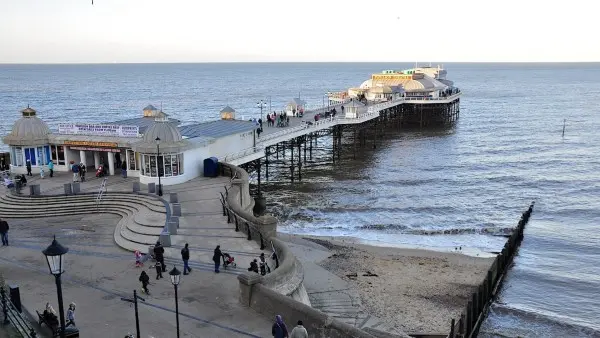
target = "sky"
x: 125, y: 31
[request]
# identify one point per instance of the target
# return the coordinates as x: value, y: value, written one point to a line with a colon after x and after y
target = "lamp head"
x: 55, y: 256
x: 175, y: 276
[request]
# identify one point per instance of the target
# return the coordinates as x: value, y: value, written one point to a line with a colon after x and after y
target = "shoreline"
x: 414, y: 290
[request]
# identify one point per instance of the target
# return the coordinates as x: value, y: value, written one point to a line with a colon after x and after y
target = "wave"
x: 529, y: 324
x: 486, y: 230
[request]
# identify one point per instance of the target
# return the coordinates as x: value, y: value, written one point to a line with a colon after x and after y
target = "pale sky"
x: 74, y: 31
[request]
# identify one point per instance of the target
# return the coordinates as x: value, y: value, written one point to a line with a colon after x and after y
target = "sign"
x: 91, y: 144
x: 98, y: 129
x: 110, y: 150
x: 379, y: 77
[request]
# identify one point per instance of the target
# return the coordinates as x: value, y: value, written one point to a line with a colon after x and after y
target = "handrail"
x: 13, y: 316
x: 101, y: 193
x: 234, y: 217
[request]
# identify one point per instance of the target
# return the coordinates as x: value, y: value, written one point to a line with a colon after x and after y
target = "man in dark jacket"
x: 159, y: 255
x: 217, y: 258
x: 28, y: 166
x: 4, y: 231
x: 185, y: 256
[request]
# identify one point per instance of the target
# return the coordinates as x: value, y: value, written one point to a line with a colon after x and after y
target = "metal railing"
x: 101, y: 193
x: 241, y: 223
x: 14, y: 317
x: 441, y: 98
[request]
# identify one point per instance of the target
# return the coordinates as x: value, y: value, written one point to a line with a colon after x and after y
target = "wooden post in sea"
x: 564, y: 125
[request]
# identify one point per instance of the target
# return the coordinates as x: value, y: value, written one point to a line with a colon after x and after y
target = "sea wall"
x: 282, y: 291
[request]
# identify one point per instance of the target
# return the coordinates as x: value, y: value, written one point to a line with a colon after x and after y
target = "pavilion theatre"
x: 144, y: 146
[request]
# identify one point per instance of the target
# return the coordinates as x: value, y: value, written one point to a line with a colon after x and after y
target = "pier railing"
x: 482, y: 297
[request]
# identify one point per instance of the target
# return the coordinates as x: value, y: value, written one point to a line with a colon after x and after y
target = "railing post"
x: 451, y: 329
x: 262, y: 244
x: 237, y: 228
x: 4, y: 305
x: 469, y: 318
x: 249, y: 234
x: 228, y: 216
x: 461, y: 325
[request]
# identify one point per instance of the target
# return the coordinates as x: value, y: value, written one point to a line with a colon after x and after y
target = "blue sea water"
x: 472, y: 180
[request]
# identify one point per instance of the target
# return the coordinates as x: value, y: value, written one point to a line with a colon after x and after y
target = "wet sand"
x: 414, y: 290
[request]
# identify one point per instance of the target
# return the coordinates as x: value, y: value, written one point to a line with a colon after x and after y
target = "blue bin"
x: 211, y: 165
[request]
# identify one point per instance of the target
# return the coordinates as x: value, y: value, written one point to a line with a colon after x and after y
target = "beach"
x: 413, y: 290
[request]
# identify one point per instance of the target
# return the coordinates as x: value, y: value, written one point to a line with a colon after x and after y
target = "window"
x: 30, y: 155
x: 57, y: 154
x: 167, y: 165
x: 132, y: 163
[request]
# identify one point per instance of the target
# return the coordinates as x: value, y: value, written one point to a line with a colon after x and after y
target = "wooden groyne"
x: 477, y: 307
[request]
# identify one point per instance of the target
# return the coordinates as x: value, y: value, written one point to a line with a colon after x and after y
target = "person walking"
x: 51, y: 168
x: 82, y: 171
x: 299, y: 331
x: 145, y: 279
x: 75, y: 170
x: 185, y: 256
x: 159, y: 255
x: 217, y: 258
x: 279, y: 330
x: 158, y: 267
x: 4, y: 231
x: 71, y: 315
x: 28, y: 166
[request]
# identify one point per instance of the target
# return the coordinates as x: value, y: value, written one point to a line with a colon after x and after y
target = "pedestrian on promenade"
x: 185, y: 256
x: 158, y: 267
x: 71, y: 315
x: 82, y: 171
x: 51, y: 168
x: 138, y: 259
x: 75, y: 170
x: 217, y: 258
x: 28, y: 166
x: 4, y: 231
x: 159, y: 255
x: 42, y: 172
x: 124, y: 169
x: 279, y: 330
x: 145, y: 279
x: 299, y: 331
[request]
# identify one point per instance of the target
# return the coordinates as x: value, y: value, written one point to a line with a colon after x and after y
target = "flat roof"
x: 216, y: 129
x: 142, y: 122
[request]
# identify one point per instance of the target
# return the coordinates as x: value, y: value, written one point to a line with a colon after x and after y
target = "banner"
x: 91, y: 144
x: 98, y: 129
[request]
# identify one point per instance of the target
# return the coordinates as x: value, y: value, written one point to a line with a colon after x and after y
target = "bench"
x: 55, y: 328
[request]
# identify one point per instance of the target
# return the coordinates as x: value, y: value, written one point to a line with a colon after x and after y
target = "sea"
x: 445, y: 188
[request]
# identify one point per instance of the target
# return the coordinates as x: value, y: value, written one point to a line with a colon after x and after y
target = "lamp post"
x: 157, y: 165
x: 54, y: 255
x: 261, y: 104
x: 135, y: 304
x: 175, y: 278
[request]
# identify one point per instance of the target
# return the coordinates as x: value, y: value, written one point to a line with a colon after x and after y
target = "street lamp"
x: 157, y: 165
x: 54, y: 255
x: 261, y: 104
x: 175, y: 278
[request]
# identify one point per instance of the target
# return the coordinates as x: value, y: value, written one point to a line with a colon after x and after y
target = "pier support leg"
x: 292, y: 162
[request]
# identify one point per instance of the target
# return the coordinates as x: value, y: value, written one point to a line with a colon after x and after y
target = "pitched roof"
x: 150, y: 107
x: 227, y: 109
x: 216, y: 129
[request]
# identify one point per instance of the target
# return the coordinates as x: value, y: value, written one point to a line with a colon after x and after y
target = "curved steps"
x: 142, y: 217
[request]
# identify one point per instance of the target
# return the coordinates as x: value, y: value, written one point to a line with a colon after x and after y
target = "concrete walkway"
x: 99, y: 272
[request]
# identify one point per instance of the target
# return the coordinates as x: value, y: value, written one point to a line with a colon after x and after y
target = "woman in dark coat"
x: 217, y: 258
x: 279, y: 330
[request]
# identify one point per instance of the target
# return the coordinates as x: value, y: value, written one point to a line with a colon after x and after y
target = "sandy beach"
x: 413, y: 290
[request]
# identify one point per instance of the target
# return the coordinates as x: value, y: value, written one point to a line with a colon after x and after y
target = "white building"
x: 143, y: 147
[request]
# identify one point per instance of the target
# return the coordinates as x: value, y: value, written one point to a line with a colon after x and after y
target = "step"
x: 144, y: 230
x: 141, y: 198
x: 154, y: 205
x: 138, y: 238
x: 149, y: 219
x: 68, y: 205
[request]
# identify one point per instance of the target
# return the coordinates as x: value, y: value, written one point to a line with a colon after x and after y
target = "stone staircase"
x: 143, y: 217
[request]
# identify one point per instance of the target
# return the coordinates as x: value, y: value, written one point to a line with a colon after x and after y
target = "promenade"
x: 99, y: 273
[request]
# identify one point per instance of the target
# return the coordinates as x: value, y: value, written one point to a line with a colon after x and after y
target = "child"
x: 138, y: 259
x: 42, y: 172
x: 145, y: 279
x: 158, y: 270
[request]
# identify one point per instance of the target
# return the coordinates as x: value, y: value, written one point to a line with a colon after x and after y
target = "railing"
x: 101, y: 193
x: 14, y: 317
x: 242, y: 224
x: 441, y: 98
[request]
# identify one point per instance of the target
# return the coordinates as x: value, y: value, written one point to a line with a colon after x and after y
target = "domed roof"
x: 366, y: 84
x: 381, y: 90
x: 425, y: 83
x: 28, y: 130
x: 163, y: 133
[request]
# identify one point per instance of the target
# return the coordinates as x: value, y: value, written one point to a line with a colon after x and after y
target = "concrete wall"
x: 232, y: 144
x: 281, y: 292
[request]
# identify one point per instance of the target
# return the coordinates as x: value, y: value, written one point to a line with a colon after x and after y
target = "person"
x: 159, y: 255
x: 124, y: 169
x: 299, y: 331
x: 50, y: 315
x: 217, y: 258
x: 23, y: 180
x: 4, y: 231
x: 279, y: 330
x: 71, y: 315
x: 145, y: 279
x: 253, y: 266
x: 82, y: 171
x: 28, y: 166
x: 138, y: 258
x: 75, y: 170
x: 51, y: 168
x: 185, y: 256
x: 41, y: 172
x: 158, y: 267
x: 264, y: 267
